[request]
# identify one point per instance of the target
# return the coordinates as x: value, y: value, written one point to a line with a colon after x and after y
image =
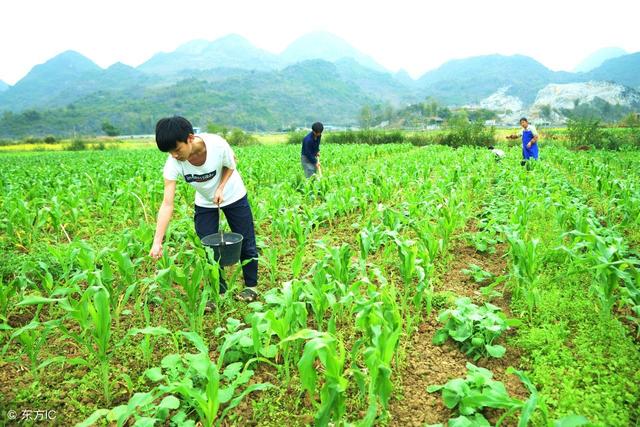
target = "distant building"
x: 334, y: 127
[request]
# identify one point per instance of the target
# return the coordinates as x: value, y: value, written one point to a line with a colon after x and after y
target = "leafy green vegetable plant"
x: 474, y: 328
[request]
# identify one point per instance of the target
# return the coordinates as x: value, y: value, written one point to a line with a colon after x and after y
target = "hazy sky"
x: 414, y: 35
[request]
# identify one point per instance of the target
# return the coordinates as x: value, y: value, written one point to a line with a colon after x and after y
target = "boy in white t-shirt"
x: 207, y: 163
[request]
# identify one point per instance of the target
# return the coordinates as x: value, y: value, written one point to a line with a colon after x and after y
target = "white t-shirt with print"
x: 206, y: 178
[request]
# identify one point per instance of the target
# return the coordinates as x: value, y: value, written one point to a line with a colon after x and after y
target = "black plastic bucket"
x: 226, y: 247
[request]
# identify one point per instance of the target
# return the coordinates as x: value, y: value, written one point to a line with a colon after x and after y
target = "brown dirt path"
x: 427, y: 364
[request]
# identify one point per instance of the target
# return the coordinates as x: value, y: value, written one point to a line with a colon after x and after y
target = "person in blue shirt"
x: 310, y: 156
x: 529, y: 141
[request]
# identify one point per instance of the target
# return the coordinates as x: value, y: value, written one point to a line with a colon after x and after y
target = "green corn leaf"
x: 36, y: 300
x: 238, y: 399
x: 150, y: 330
x: 47, y: 362
x: 93, y: 418
x: 196, y: 340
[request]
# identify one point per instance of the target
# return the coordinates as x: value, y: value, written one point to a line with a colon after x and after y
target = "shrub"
x: 296, y: 137
x: 50, y: 139
x: 475, y: 134
x: 422, y: 139
x: 31, y: 140
x: 239, y: 138
x: 634, y: 138
x: 631, y: 120
x: 77, y: 145
x: 588, y: 132
x: 461, y: 133
x: 585, y: 132
x: 369, y: 137
x: 223, y: 131
x: 110, y: 129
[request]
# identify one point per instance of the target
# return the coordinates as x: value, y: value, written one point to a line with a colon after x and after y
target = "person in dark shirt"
x: 310, y: 157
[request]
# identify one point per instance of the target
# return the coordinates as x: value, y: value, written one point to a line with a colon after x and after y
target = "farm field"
x: 408, y: 286
x: 93, y: 143
x: 111, y: 143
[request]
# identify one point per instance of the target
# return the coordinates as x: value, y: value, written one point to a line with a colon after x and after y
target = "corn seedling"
x: 269, y: 258
x: 93, y: 314
x: 286, y: 315
x: 525, y: 267
x: 32, y: 337
x: 379, y: 320
x: 329, y: 351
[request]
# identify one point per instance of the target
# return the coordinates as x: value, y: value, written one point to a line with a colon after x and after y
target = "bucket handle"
x: 219, y: 227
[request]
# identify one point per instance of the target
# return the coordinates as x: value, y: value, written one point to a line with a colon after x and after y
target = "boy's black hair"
x: 523, y: 118
x: 170, y: 130
x: 317, y: 127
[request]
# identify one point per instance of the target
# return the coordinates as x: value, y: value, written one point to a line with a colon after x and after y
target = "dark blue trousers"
x: 240, y: 219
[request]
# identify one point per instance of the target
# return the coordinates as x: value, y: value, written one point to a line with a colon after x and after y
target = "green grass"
x: 580, y: 360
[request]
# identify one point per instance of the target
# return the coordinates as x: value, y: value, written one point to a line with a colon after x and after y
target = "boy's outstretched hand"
x: 156, y: 251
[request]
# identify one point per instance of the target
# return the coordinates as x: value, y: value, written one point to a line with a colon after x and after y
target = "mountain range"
x: 596, y: 59
x: 232, y: 82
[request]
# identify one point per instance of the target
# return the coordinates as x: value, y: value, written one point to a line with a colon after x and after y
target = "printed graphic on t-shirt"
x: 199, y: 178
x: 205, y: 179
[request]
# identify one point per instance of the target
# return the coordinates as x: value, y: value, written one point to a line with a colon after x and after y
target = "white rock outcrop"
x: 500, y: 101
x: 570, y: 94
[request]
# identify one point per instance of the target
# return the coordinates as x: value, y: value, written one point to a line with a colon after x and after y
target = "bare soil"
x: 428, y: 364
